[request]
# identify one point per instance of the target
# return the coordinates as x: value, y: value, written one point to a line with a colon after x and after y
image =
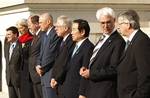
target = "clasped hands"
x: 84, y: 72
x: 39, y: 70
x: 53, y: 83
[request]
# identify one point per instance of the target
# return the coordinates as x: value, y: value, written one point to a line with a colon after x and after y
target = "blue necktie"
x: 127, y: 44
x: 45, y: 39
x: 11, y: 50
x: 75, y: 50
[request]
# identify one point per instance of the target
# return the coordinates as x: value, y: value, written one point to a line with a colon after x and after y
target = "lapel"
x: 14, y: 51
x: 69, y: 41
x: 106, y: 44
x: 81, y: 47
x: 134, y: 39
x: 7, y: 51
x: 130, y: 45
x: 48, y: 41
x: 37, y: 37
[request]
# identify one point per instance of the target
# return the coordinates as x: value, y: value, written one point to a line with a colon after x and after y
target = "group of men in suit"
x: 63, y: 62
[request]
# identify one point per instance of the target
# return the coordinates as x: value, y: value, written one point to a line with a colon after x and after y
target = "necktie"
x: 34, y: 38
x: 11, y: 50
x: 127, y: 44
x: 62, y: 44
x: 96, y: 49
x: 75, y: 50
x: 45, y: 39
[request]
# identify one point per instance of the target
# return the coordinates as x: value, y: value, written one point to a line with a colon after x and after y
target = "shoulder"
x: 88, y: 43
x: 117, y: 38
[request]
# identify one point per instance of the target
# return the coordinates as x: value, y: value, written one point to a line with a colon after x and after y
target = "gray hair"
x: 22, y: 22
x: 65, y: 21
x: 47, y: 16
x: 132, y: 17
x: 106, y: 11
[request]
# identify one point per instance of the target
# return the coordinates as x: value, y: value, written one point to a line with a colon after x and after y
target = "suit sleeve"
x: 109, y: 71
x: 51, y: 55
x: 142, y: 57
x: 83, y: 81
x: 59, y: 69
x: 38, y: 62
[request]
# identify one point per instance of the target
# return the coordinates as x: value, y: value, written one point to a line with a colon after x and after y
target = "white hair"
x: 65, y: 21
x: 106, y: 11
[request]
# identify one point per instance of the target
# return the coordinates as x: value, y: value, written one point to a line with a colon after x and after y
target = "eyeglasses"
x: 59, y: 26
x: 123, y: 23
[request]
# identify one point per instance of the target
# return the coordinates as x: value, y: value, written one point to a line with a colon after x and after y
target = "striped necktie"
x: 96, y: 49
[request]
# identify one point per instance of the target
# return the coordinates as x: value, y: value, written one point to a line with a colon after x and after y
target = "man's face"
x: 10, y: 36
x: 123, y: 26
x: 60, y: 28
x: 43, y: 23
x: 32, y: 27
x: 107, y: 24
x: 76, y: 34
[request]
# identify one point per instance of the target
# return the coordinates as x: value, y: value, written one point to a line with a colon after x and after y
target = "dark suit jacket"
x: 73, y: 79
x: 34, y: 53
x: 48, y: 55
x: 13, y: 65
x: 103, y: 73
x: 59, y: 69
x: 134, y: 69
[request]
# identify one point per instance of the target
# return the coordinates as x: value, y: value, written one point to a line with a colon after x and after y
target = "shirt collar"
x: 106, y: 35
x: 37, y: 32
x: 66, y: 37
x: 49, y: 30
x: 132, y: 35
x: 80, y: 42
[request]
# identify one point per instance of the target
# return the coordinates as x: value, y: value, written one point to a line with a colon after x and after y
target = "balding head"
x: 45, y: 21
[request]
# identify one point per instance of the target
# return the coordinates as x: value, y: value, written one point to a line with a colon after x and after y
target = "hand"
x: 81, y: 96
x: 84, y: 72
x: 39, y: 70
x: 53, y: 83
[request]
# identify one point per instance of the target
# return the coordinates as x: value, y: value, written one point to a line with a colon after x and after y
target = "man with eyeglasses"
x: 102, y: 73
x: 134, y: 68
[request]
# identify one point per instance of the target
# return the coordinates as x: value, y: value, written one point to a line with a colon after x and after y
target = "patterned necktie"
x: 96, y: 49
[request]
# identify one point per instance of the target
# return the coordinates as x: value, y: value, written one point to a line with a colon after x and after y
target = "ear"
x: 66, y: 28
x: 48, y: 22
x: 129, y: 25
x: 83, y: 32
